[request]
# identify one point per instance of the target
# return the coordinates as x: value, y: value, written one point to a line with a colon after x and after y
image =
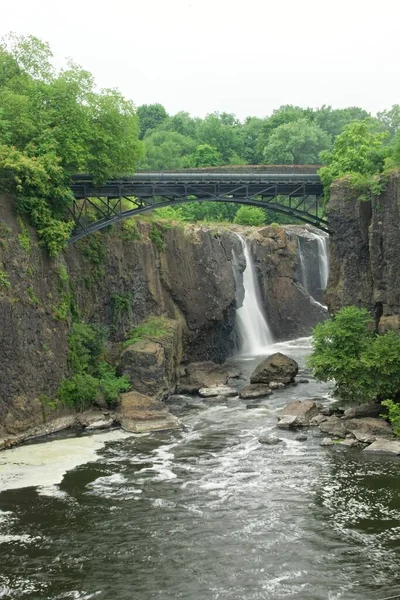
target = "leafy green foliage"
x: 152, y: 328
x: 157, y: 236
x: 394, y: 415
x: 150, y: 116
x: 204, y: 156
x: 24, y: 238
x: 298, y: 142
x: 53, y: 124
x: 358, y: 150
x: 364, y: 366
x: 93, y: 378
x: 4, y: 280
x: 250, y: 215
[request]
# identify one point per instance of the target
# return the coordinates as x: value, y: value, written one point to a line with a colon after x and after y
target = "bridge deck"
x: 295, y: 190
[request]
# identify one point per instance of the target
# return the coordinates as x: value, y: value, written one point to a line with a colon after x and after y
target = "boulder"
x: 371, y: 409
x: 202, y: 375
x: 368, y: 429
x: 318, y: 419
x: 257, y: 390
x: 326, y: 442
x: 269, y: 440
x: 142, y: 414
x: 334, y: 426
x: 384, y: 446
x: 350, y: 442
x: 288, y: 422
x: 277, y: 367
x: 303, y: 410
x: 301, y: 438
x: 152, y: 364
x: 217, y: 390
x: 276, y: 385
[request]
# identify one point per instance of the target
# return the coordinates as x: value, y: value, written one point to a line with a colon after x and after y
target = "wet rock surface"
x: 142, y: 414
x: 303, y: 410
x: 257, y: 390
x: 276, y: 368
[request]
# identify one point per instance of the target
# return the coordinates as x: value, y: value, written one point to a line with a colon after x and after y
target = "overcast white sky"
x: 241, y: 56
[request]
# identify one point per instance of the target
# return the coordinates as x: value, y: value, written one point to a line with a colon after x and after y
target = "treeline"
x: 54, y: 123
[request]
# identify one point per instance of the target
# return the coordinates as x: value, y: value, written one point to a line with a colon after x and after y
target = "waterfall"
x: 255, y: 335
x: 313, y: 267
x: 323, y: 259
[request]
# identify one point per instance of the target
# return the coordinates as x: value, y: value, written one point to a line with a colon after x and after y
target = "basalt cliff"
x: 118, y: 279
x: 365, y: 251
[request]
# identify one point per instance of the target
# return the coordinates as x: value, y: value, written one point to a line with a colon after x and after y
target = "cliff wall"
x: 118, y: 279
x: 365, y: 252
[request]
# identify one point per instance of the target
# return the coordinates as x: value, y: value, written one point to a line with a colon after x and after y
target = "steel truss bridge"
x: 292, y: 190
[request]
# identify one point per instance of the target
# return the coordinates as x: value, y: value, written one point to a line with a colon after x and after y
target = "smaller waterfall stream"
x: 253, y: 329
x: 314, y: 270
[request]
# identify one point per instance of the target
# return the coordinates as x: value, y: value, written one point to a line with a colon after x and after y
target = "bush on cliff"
x: 93, y: 377
x: 363, y: 365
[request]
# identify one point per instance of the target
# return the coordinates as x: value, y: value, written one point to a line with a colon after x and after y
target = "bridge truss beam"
x: 299, y: 197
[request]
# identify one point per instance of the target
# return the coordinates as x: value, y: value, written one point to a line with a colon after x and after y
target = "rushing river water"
x: 206, y: 513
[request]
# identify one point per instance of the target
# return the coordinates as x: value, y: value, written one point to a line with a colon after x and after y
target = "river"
x: 205, y: 513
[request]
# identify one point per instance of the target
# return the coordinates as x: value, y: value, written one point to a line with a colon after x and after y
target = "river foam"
x: 44, y: 465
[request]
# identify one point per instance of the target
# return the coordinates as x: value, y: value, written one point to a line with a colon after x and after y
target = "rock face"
x: 384, y: 446
x: 152, y: 365
x: 202, y: 375
x: 277, y: 367
x: 257, y: 390
x: 117, y: 280
x: 142, y: 414
x: 302, y: 410
x: 364, y: 250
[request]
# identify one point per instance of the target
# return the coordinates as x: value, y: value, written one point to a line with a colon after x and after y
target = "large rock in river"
x: 141, y: 414
x: 277, y: 367
x: 256, y: 390
x: 303, y: 410
x: 202, y: 375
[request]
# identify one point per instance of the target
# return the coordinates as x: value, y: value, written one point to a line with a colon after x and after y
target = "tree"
x: 338, y: 345
x: 150, y: 116
x: 363, y: 365
x: 333, y: 121
x: 299, y: 142
x: 221, y: 131
x: 287, y: 113
x: 390, y: 119
x: 166, y: 150
x: 250, y: 215
x: 53, y: 124
x: 250, y: 133
x: 204, y: 156
x: 358, y: 150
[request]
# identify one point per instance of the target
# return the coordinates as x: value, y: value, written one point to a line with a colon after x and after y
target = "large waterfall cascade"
x: 314, y: 273
x: 254, y: 333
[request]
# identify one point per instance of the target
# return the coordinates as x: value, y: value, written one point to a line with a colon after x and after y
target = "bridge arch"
x: 81, y: 232
x: 289, y: 189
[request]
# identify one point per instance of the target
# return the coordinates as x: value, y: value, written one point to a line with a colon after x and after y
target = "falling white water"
x: 255, y: 335
x: 314, y: 270
x: 323, y: 258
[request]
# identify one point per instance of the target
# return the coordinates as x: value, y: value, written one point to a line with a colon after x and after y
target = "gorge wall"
x: 365, y: 251
x: 118, y: 279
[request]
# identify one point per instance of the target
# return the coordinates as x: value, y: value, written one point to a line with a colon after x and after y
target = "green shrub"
x: 157, y: 237
x: 93, y: 378
x: 250, y: 215
x: 394, y: 415
x: 32, y: 296
x: 129, y: 231
x: 152, y: 328
x: 24, y: 238
x: 4, y: 280
x: 363, y: 365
